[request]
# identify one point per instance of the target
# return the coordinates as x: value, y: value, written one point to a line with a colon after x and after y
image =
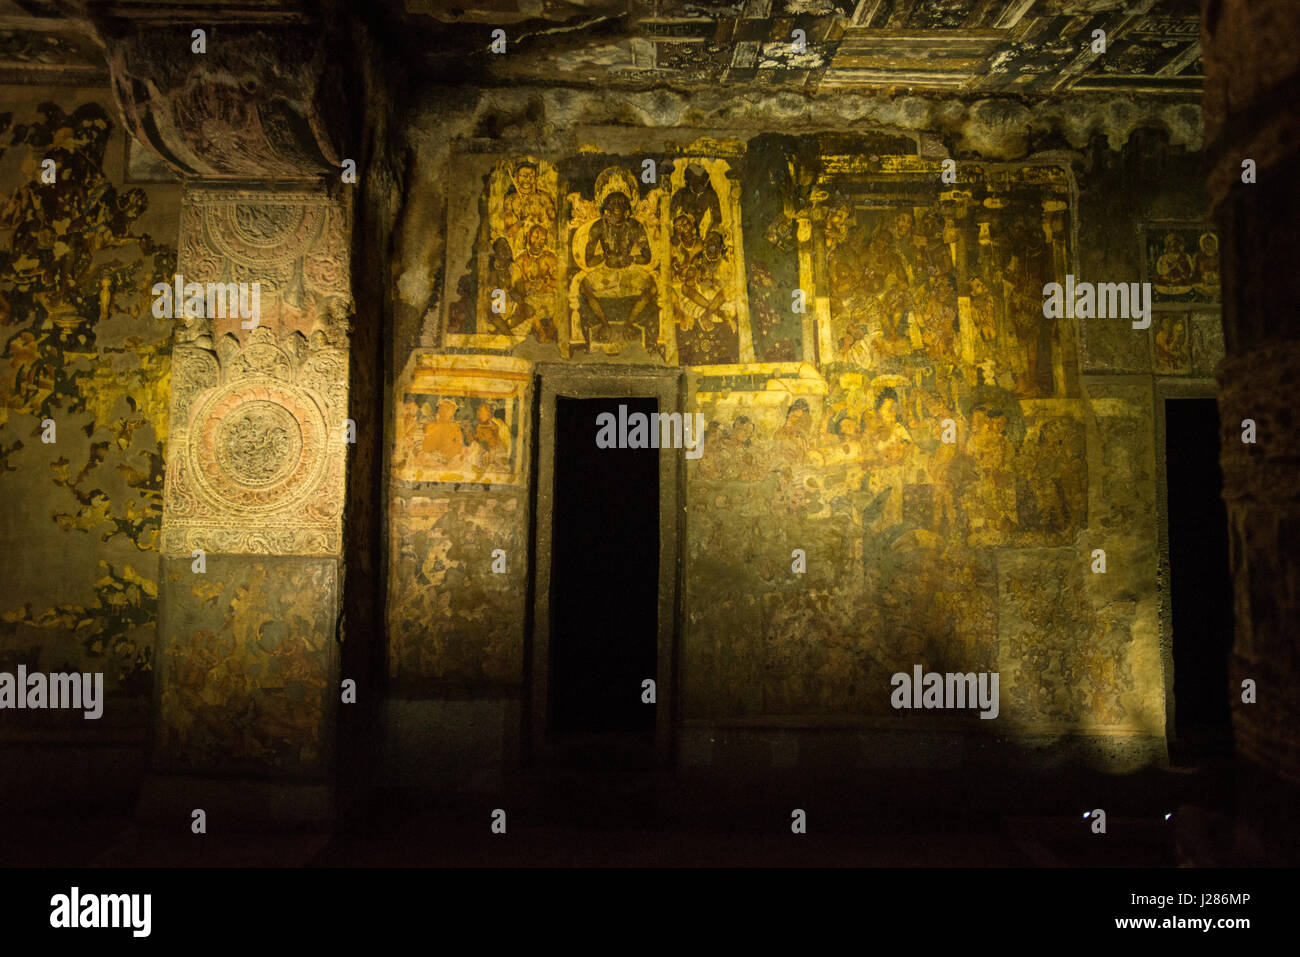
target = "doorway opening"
x: 1200, y: 579
x: 606, y: 572
x: 604, y: 583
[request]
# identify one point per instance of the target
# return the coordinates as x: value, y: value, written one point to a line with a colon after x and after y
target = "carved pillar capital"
x: 264, y: 100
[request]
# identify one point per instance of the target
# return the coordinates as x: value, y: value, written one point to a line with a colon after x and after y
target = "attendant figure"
x: 525, y: 207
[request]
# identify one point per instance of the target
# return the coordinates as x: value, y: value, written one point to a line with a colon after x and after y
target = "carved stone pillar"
x: 247, y: 663
x: 1252, y: 85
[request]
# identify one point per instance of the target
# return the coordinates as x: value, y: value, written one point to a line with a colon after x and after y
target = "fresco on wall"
x: 660, y: 264
x: 919, y: 432
x: 903, y: 535
x: 519, y: 255
x: 707, y: 269
x: 1181, y: 261
x: 874, y: 449
x: 80, y: 346
x: 459, y: 420
x: 245, y: 665
x: 930, y: 312
x: 1083, y: 675
x: 598, y: 252
x: 922, y: 281
x: 777, y: 200
x: 510, y: 289
x: 1171, y: 347
x: 451, y: 617
x: 616, y: 243
x: 948, y: 441
x: 1207, y: 343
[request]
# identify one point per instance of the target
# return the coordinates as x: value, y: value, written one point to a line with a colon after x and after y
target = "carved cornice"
x: 265, y: 101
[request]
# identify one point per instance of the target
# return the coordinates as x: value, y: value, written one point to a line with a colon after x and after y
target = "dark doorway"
x: 604, y: 586
x: 1200, y: 580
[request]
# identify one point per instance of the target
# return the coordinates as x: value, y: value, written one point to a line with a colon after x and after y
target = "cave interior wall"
x: 825, y: 427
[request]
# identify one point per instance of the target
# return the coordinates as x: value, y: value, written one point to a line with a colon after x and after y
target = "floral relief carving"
x: 258, y: 461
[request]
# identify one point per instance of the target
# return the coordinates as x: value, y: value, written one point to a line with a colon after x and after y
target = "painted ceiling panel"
x: 1031, y: 47
x: 1026, y: 47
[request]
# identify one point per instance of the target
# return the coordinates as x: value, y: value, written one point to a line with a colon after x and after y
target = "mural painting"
x: 519, y: 271
x: 948, y: 435
x: 79, y: 347
x: 247, y: 665
x: 1181, y: 261
x: 451, y: 617
x: 918, y: 430
x: 923, y: 282
x: 709, y: 307
x: 660, y: 264
x: 616, y: 243
x: 597, y: 252
x: 1171, y: 352
x: 459, y: 420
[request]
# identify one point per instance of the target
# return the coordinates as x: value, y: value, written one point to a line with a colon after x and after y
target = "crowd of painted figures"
x: 624, y: 249
x: 946, y: 411
x: 993, y: 483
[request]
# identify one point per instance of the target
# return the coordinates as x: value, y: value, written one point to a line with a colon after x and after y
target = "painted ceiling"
x: 1030, y: 48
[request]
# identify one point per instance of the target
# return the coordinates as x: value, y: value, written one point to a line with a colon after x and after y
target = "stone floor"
x: 614, y: 820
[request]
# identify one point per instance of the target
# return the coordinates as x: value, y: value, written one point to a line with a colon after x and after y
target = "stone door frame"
x: 606, y: 380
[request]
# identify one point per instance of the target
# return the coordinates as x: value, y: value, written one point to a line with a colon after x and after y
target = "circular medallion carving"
x: 259, y: 443
x: 258, y: 446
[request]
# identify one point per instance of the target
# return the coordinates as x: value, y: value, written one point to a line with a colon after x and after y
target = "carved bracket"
x: 264, y: 100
